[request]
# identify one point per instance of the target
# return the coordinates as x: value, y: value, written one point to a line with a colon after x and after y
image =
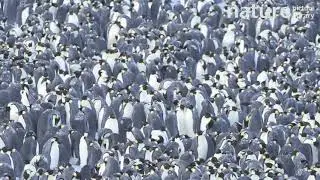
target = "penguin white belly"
x: 22, y: 121
x: 140, y: 146
x: 85, y: 103
x: 204, y: 31
x: 73, y: 19
x: 101, y: 81
x: 311, y: 177
x: 2, y: 144
x: 108, y: 99
x: 56, y: 42
x: 148, y: 155
x: 180, y: 122
x: 142, y: 67
x: 67, y: 108
x: 215, y: 108
x: 14, y: 116
x: 107, y: 144
x: 181, y: 146
x: 128, y: 109
x: 188, y: 116
x: 136, y: 6
x: 254, y: 177
x: 194, y: 21
x: 37, y: 148
x: 97, y: 106
x: 83, y: 150
x: 77, y: 1
x: 42, y: 89
x: 278, y: 107
x: 53, y: 10
x: 54, y: 155
x: 224, y: 80
x: 66, y: 2
x: 166, y: 85
x: 273, y: 96
x: 113, y: 125
x: 144, y: 97
x: 120, y: 77
x: 11, y: 161
x: 202, y: 148
x: 153, y: 81
x: 24, y: 74
x: 163, y: 111
x: 111, y: 63
x: 25, y: 15
x: 199, y: 99
x: 314, y: 154
x: 200, y: 71
x: 100, y: 118
x: 130, y: 136
x: 272, y: 84
x: 102, y: 168
x: 264, y: 137
x: 204, y: 122
x: 112, y: 33
x: 262, y: 77
x: 228, y: 39
x: 252, y: 157
x: 95, y: 71
x: 233, y: 117
x: 164, y: 174
x: 241, y: 83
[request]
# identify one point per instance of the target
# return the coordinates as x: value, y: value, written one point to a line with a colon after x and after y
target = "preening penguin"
x: 47, y: 120
x: 30, y: 147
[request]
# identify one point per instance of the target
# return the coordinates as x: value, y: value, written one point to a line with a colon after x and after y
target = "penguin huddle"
x: 157, y: 89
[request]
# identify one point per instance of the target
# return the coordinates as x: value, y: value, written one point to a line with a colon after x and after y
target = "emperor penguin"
x: 72, y: 18
x: 25, y: 96
x: 310, y: 149
x: 111, y: 123
x: 203, y: 146
x: 52, y: 152
x: 185, y: 121
x: 42, y: 85
x: 30, y: 146
x: 114, y: 29
x: 83, y: 150
x: 15, y: 110
x: 109, y: 167
x: 206, y: 122
x: 199, y: 98
x: 201, y: 69
x: 127, y: 108
x: 154, y: 81
x: 48, y: 119
x: 235, y: 115
x: 229, y: 37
